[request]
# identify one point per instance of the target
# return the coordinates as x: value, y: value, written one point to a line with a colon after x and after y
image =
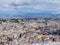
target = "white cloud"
x: 12, y: 6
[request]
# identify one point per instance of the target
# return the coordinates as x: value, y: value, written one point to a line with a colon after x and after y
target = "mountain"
x: 30, y: 15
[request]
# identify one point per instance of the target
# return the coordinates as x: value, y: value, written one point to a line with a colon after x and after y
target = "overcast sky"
x: 18, y: 6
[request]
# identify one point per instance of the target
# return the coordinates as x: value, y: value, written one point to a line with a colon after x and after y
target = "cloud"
x: 18, y: 6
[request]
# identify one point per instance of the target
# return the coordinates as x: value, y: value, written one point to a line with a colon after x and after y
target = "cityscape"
x: 29, y: 22
x: 29, y: 31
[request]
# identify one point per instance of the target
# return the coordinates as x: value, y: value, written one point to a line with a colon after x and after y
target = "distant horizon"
x: 31, y: 15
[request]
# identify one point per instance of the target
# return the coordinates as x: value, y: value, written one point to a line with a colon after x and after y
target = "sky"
x: 11, y: 8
